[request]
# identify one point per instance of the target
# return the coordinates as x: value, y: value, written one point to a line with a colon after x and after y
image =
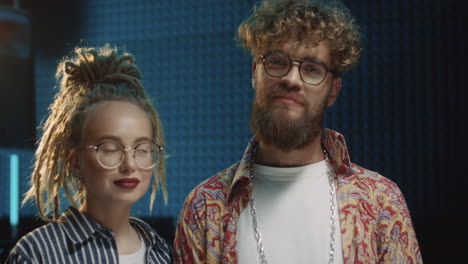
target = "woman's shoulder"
x: 45, y: 232
x: 52, y: 239
x: 40, y: 241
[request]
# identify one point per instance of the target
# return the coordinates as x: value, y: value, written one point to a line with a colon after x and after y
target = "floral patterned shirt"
x: 375, y: 222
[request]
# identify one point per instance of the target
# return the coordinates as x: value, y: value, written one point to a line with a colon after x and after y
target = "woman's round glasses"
x: 312, y: 71
x: 111, y: 154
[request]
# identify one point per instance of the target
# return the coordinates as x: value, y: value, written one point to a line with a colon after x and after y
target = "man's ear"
x: 254, y: 69
x: 335, y: 90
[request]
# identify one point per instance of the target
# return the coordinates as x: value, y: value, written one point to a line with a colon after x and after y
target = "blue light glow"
x: 14, y: 189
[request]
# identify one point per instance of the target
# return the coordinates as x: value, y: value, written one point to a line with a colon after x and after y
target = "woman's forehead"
x: 119, y: 119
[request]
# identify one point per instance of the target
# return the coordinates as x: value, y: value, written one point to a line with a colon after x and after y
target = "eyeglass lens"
x: 111, y: 154
x: 311, y: 71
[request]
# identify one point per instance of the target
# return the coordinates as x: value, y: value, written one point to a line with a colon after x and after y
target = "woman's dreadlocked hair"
x: 87, y: 78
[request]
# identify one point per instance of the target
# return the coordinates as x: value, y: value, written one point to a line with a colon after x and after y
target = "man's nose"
x: 293, y: 77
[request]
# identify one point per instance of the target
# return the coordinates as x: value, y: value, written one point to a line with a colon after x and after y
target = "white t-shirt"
x: 139, y: 257
x: 293, y: 212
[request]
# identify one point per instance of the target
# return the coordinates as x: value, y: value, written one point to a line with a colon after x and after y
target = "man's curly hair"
x: 275, y: 22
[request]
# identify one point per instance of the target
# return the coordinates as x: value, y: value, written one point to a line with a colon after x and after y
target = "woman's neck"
x: 116, y: 218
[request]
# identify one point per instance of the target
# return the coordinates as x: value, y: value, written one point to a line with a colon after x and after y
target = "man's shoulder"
x: 371, y: 192
x: 370, y: 174
x: 370, y: 183
x: 215, y: 187
x: 367, y: 180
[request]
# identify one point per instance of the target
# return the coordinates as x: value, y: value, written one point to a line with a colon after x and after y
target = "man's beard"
x: 271, y: 127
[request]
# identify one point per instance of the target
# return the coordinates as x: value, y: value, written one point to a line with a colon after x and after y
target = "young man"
x: 295, y: 196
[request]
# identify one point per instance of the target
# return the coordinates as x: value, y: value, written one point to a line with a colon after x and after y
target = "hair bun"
x: 90, y: 66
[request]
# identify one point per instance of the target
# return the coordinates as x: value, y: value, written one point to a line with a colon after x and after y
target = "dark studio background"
x: 400, y: 110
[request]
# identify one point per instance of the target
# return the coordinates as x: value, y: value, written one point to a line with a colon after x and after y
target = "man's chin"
x: 288, y: 114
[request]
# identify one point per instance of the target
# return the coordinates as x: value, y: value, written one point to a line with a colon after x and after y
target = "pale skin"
x: 289, y: 103
x: 107, y: 203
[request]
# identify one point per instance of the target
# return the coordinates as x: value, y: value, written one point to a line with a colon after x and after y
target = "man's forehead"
x: 298, y: 50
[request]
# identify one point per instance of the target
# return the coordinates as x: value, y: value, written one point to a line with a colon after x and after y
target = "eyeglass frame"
x: 263, y: 59
x: 96, y: 148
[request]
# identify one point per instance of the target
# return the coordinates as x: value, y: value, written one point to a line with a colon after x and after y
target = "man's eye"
x: 311, y: 69
x: 277, y: 61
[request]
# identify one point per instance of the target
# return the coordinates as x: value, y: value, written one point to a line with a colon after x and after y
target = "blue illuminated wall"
x: 399, y: 109
x: 192, y: 68
x: 14, y: 162
x: 200, y: 82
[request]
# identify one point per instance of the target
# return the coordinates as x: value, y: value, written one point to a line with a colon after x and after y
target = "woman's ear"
x: 74, y: 160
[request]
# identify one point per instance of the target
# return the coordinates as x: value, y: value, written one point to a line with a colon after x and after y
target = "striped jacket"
x: 374, y: 219
x: 78, y: 239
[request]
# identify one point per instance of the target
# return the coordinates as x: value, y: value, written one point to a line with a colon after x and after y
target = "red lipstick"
x: 127, y: 183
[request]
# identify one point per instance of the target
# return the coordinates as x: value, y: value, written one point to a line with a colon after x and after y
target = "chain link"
x: 253, y: 210
x: 331, y: 181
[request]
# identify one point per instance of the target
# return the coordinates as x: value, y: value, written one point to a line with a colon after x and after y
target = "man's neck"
x: 269, y: 155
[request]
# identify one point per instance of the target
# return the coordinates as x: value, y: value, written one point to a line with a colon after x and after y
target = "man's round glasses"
x: 312, y: 71
x: 111, y: 154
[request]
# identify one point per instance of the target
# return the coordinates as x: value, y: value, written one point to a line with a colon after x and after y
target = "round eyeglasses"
x: 111, y: 154
x: 312, y: 71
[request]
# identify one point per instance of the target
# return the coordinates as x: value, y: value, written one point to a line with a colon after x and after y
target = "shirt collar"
x: 150, y: 236
x: 335, y: 145
x: 333, y: 142
x: 241, y: 178
x: 80, y: 227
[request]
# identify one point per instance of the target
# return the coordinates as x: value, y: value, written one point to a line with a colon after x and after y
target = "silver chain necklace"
x: 253, y: 210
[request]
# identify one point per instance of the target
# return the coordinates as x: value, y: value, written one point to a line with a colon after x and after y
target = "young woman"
x: 100, y: 146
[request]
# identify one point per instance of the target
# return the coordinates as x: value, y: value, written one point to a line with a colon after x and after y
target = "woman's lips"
x: 127, y: 183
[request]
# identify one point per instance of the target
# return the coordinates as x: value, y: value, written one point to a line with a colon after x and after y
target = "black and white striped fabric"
x: 78, y: 239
